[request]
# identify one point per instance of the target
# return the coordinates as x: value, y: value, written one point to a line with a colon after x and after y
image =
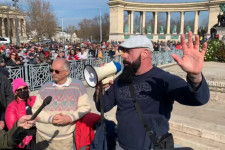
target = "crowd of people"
x: 14, y: 55
x: 38, y: 53
x: 153, y: 89
x: 165, y: 46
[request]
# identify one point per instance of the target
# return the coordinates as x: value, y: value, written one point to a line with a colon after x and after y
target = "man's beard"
x: 129, y: 71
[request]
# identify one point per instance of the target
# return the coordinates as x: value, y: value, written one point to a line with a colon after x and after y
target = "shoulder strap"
x: 102, y: 107
x: 149, y: 131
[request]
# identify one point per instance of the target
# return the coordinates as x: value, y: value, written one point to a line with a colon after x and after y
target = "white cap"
x: 138, y: 41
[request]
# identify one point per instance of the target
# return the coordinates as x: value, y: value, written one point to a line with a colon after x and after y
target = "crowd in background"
x: 32, y: 53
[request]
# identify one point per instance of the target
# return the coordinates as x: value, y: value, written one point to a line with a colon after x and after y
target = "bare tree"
x: 90, y: 28
x: 41, y: 19
x: 85, y: 28
x: 105, y: 27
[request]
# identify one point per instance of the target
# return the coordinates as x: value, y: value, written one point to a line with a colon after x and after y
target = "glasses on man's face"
x: 56, y: 71
x: 22, y: 89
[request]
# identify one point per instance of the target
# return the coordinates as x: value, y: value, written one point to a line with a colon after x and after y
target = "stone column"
x: 7, y: 27
x: 196, y: 22
x: 19, y: 27
x: 182, y: 23
x: 168, y: 22
x: 10, y: 27
x: 213, y: 13
x: 1, y: 26
x: 116, y: 23
x: 156, y: 22
x: 143, y: 22
x: 14, y: 27
x: 129, y: 22
x: 132, y: 22
x: 24, y: 29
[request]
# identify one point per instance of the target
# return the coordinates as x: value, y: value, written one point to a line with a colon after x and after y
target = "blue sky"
x: 73, y: 11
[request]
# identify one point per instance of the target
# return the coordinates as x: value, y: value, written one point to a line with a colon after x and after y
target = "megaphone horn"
x: 93, y: 75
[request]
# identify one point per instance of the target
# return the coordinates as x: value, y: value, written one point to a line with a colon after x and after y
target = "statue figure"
x: 222, y: 7
x: 221, y: 16
x: 126, y: 28
x: 137, y: 29
x: 149, y: 29
x: 174, y: 29
x: 161, y: 30
x: 188, y: 29
x: 202, y: 27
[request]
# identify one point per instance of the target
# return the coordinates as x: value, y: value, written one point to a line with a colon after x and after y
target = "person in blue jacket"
x: 155, y: 90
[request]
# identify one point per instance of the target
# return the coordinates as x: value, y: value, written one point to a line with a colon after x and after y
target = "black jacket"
x: 6, y: 94
x: 12, y: 138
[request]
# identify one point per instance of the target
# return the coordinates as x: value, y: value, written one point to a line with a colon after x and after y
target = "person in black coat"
x: 6, y: 95
x: 10, y: 139
x: 14, y: 60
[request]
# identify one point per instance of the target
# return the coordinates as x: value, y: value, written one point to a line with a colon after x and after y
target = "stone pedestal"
x: 220, y: 31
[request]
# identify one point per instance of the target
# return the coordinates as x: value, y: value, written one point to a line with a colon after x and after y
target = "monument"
x: 188, y: 28
x: 174, y: 31
x: 221, y: 16
x: 218, y: 29
x: 137, y: 29
x: 149, y: 29
x: 126, y: 29
x: 125, y: 9
x: 161, y: 30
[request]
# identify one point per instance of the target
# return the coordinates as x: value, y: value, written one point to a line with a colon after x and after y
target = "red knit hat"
x: 17, y: 83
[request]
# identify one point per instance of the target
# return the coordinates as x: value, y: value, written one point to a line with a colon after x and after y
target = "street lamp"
x: 17, y: 31
x: 100, y: 22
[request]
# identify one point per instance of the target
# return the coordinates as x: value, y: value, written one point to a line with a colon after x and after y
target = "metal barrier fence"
x: 38, y: 74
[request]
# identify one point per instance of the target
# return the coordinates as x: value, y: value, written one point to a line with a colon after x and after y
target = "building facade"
x: 118, y: 32
x: 8, y: 17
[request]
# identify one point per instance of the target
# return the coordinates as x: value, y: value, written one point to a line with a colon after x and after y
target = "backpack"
x: 105, y: 136
x: 91, y: 134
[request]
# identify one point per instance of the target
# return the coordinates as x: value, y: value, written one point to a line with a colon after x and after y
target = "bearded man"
x: 154, y: 90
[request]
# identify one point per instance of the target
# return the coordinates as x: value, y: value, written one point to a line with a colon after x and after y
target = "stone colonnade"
x: 131, y: 24
x: 117, y: 8
x: 8, y: 19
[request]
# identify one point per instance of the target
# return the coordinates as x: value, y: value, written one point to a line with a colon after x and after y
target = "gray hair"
x: 66, y: 63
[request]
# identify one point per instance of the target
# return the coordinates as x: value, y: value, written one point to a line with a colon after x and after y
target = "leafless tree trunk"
x: 41, y: 19
x: 89, y: 28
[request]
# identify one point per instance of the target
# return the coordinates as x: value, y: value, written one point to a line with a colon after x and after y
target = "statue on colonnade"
x: 188, y: 28
x: 149, y: 29
x: 161, y: 30
x: 174, y: 31
x: 221, y: 16
x: 137, y: 28
x: 126, y: 28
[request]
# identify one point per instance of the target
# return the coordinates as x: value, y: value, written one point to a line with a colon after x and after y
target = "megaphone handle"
x: 101, y: 103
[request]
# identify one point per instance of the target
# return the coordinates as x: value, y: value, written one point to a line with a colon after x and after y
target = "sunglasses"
x: 56, y: 71
x: 22, y: 89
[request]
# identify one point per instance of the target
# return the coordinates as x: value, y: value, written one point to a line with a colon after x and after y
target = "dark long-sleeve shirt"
x: 6, y: 95
x: 155, y: 92
x: 10, y: 139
